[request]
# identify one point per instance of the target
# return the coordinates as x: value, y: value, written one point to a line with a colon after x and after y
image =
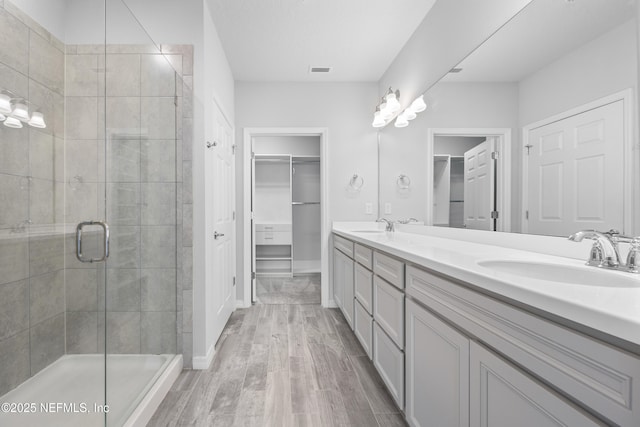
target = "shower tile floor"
x: 303, y: 289
x: 282, y: 365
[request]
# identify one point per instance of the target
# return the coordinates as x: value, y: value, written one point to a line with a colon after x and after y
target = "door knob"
x: 216, y: 234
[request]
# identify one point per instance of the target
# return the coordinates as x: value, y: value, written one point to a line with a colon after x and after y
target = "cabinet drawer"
x: 364, y: 287
x: 273, y: 227
x: 594, y: 373
x: 389, y: 268
x: 273, y: 238
x: 346, y: 246
x: 364, y: 256
x: 364, y: 328
x: 388, y: 310
x: 389, y: 361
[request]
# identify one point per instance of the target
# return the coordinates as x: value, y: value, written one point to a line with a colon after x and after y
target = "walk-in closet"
x: 286, y: 214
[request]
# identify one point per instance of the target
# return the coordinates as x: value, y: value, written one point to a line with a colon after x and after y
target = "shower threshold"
x: 70, y: 392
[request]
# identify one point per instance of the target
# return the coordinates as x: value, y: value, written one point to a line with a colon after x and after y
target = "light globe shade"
x: 12, y: 122
x: 378, y: 121
x: 20, y: 112
x: 392, y: 103
x: 418, y: 105
x: 2, y: 117
x: 409, y: 114
x: 401, y: 121
x: 37, y: 120
x: 5, y: 104
x: 386, y: 113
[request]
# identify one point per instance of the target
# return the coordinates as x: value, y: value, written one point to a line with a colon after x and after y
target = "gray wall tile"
x: 81, y: 75
x: 46, y: 254
x: 158, y: 204
x: 123, y: 207
x: 125, y: 247
x: 14, y: 259
x: 42, y: 201
x: 158, y: 118
x: 51, y: 104
x: 123, y: 117
x: 158, y: 289
x: 82, y: 332
x: 47, y: 343
x: 14, y: 81
x: 123, y: 332
x: 81, y: 160
x: 14, y: 199
x: 81, y: 290
x: 158, y: 247
x: 14, y: 361
x: 187, y: 313
x: 158, y: 160
x: 46, y: 63
x: 123, y: 160
x: 158, y: 332
x: 14, y: 42
x: 15, y: 151
x: 46, y: 296
x: 157, y: 76
x: 123, y: 75
x: 41, y: 154
x: 123, y: 289
x: 14, y: 308
x: 82, y: 117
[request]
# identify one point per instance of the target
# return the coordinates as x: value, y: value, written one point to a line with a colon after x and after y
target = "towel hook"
x: 403, y: 182
x: 356, y: 182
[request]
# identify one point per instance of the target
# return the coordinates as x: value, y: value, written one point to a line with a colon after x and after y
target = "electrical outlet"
x: 387, y: 208
x: 368, y: 208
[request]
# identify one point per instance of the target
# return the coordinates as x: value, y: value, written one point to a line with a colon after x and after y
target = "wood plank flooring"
x: 299, y: 289
x: 282, y: 365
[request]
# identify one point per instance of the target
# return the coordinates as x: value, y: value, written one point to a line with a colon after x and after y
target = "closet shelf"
x: 304, y: 203
x: 272, y: 258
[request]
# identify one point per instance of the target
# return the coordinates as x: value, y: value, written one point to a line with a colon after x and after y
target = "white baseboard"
x: 203, y: 362
x: 240, y: 304
x: 332, y: 304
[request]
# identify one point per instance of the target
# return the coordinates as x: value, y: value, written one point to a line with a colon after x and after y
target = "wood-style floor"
x: 301, y: 289
x: 282, y: 365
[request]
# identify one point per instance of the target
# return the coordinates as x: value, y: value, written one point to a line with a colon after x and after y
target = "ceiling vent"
x: 455, y: 70
x: 319, y: 69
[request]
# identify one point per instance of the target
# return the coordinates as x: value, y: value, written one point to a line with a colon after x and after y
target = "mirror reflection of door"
x: 575, y: 178
x: 464, y: 182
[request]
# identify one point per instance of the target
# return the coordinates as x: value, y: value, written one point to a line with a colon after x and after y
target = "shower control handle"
x: 105, y: 241
x: 216, y: 234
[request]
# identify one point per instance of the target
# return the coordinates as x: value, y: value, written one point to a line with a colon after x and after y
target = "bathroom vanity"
x: 509, y: 333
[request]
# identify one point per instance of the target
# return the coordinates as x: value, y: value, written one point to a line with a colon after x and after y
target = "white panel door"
x: 222, y: 238
x: 479, y: 178
x: 575, y: 178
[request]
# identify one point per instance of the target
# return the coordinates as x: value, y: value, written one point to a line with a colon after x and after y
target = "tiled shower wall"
x: 145, y: 105
x: 32, y: 319
x: 49, y: 302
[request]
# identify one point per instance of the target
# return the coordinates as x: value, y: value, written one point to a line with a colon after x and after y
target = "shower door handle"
x: 105, y: 241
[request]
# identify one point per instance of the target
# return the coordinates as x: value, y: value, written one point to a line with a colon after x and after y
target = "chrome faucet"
x: 390, y: 224
x: 605, y: 253
x: 407, y: 221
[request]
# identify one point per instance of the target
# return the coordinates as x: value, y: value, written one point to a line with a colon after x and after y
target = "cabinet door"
x: 363, y: 328
x: 437, y: 371
x: 504, y: 396
x: 388, y: 309
x: 364, y: 287
x: 338, y: 286
x: 389, y: 362
x: 348, y: 300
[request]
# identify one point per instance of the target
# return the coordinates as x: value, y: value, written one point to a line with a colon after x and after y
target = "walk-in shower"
x: 92, y: 115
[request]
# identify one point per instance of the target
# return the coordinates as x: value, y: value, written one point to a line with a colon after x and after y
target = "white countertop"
x: 611, y: 309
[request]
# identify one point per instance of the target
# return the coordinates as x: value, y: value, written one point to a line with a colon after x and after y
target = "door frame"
x: 630, y: 193
x: 325, y: 224
x: 503, y: 169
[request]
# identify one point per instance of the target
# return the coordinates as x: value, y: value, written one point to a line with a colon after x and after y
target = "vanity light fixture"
x: 392, y: 100
x: 418, y: 105
x: 12, y: 122
x: 401, y: 121
x: 5, y: 104
x: 409, y: 114
x: 378, y: 120
x: 14, y: 111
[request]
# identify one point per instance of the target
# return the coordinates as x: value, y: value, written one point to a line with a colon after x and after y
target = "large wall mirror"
x: 553, y: 94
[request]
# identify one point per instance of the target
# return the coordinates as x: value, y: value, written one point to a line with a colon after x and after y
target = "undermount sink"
x: 569, y: 274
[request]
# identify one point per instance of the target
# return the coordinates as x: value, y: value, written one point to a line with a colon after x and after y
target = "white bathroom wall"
x: 345, y: 109
x: 599, y: 68
x: 451, y: 105
x: 449, y: 32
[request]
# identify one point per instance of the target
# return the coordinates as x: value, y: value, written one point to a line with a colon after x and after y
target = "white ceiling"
x: 278, y: 40
x: 541, y: 33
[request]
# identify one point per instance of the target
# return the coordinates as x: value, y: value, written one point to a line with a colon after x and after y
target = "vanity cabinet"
x: 388, y: 360
x: 437, y: 371
x: 363, y: 278
x: 343, y: 280
x: 504, y: 396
